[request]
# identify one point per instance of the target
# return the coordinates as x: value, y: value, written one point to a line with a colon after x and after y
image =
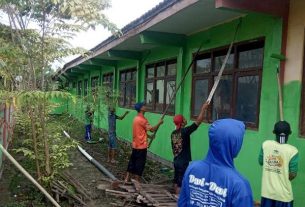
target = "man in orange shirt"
x: 140, y: 127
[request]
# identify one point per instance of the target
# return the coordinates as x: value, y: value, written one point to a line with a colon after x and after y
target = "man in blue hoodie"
x: 214, y: 181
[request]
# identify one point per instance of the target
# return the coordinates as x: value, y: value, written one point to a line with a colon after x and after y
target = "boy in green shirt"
x: 89, y: 114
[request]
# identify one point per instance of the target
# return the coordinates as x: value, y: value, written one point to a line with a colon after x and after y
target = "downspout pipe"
x: 94, y: 162
x: 97, y: 164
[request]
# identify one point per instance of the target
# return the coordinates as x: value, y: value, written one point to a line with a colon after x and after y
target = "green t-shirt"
x: 88, y: 117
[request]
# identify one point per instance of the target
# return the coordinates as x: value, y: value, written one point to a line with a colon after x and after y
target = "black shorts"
x: 137, y: 161
x: 180, y: 169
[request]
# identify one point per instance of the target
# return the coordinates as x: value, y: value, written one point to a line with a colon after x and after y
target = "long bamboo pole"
x: 280, y: 94
x: 215, y: 83
x: 28, y: 176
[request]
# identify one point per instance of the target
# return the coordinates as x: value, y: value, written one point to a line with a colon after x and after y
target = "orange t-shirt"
x: 140, y: 127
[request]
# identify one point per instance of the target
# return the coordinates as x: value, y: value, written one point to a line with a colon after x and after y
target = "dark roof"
x: 144, y: 18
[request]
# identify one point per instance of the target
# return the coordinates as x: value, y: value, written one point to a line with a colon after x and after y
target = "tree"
x: 37, y: 35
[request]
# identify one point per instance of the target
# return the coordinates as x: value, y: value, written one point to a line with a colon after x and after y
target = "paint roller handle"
x: 280, y: 95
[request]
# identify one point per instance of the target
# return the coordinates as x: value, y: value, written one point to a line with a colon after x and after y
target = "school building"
x: 151, y: 57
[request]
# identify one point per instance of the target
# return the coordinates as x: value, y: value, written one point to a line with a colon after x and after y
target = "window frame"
x: 86, y: 86
x: 125, y: 82
x: 93, y: 79
x: 235, y: 72
x: 80, y: 88
x: 109, y: 83
x: 167, y: 78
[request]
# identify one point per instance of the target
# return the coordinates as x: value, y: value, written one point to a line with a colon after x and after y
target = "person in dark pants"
x: 140, y: 128
x: 89, y: 113
x: 180, y: 139
x: 112, y: 145
x: 280, y: 165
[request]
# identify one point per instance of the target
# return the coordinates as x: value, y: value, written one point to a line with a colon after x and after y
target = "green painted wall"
x: 291, y: 105
x: 60, y: 105
x: 253, y: 26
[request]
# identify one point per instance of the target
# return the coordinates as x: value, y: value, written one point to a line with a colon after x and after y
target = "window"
x: 302, y: 115
x: 128, y: 88
x: 108, y: 80
x: 160, y: 86
x: 79, y: 88
x: 238, y: 92
x: 85, y: 87
x: 94, y: 84
x: 74, y: 85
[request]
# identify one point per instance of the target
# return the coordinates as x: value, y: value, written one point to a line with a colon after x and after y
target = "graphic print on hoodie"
x: 214, y: 181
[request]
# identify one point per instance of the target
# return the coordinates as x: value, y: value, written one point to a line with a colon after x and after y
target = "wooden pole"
x: 28, y: 176
x: 280, y: 95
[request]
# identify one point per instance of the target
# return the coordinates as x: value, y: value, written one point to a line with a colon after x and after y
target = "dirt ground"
x: 16, y: 191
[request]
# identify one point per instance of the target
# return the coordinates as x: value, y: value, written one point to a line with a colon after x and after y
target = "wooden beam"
x: 82, y: 67
x: 273, y: 7
x: 125, y: 54
x: 77, y: 72
x: 67, y: 77
x: 66, y: 74
x: 162, y: 38
x: 99, y: 61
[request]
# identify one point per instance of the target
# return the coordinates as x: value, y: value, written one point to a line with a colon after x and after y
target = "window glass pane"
x: 122, y: 76
x: 134, y: 75
x: 247, y: 96
x: 200, y: 95
x: 110, y: 78
x: 171, y: 69
x: 133, y: 93
x: 222, y: 98
x: 219, y: 61
x: 128, y: 75
x: 203, y: 65
x: 79, y: 92
x: 122, y: 94
x: 251, y: 58
x: 86, y: 87
x: 170, y: 88
x: 94, y: 84
x: 128, y: 94
x: 150, y: 72
x: 159, y: 95
x: 160, y: 70
x: 149, y: 93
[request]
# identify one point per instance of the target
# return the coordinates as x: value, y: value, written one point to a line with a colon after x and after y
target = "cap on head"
x: 178, y: 120
x: 138, y: 106
x: 282, y: 127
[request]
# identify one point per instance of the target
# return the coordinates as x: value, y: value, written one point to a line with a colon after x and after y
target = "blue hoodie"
x: 214, y: 182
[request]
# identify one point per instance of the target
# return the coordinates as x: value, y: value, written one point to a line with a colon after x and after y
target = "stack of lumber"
x: 69, y: 188
x: 136, y: 194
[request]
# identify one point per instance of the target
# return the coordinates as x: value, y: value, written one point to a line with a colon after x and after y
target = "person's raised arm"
x: 123, y: 116
x: 200, y: 117
x: 156, y: 127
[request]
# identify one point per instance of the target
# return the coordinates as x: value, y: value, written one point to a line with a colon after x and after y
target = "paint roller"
x: 279, y: 57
